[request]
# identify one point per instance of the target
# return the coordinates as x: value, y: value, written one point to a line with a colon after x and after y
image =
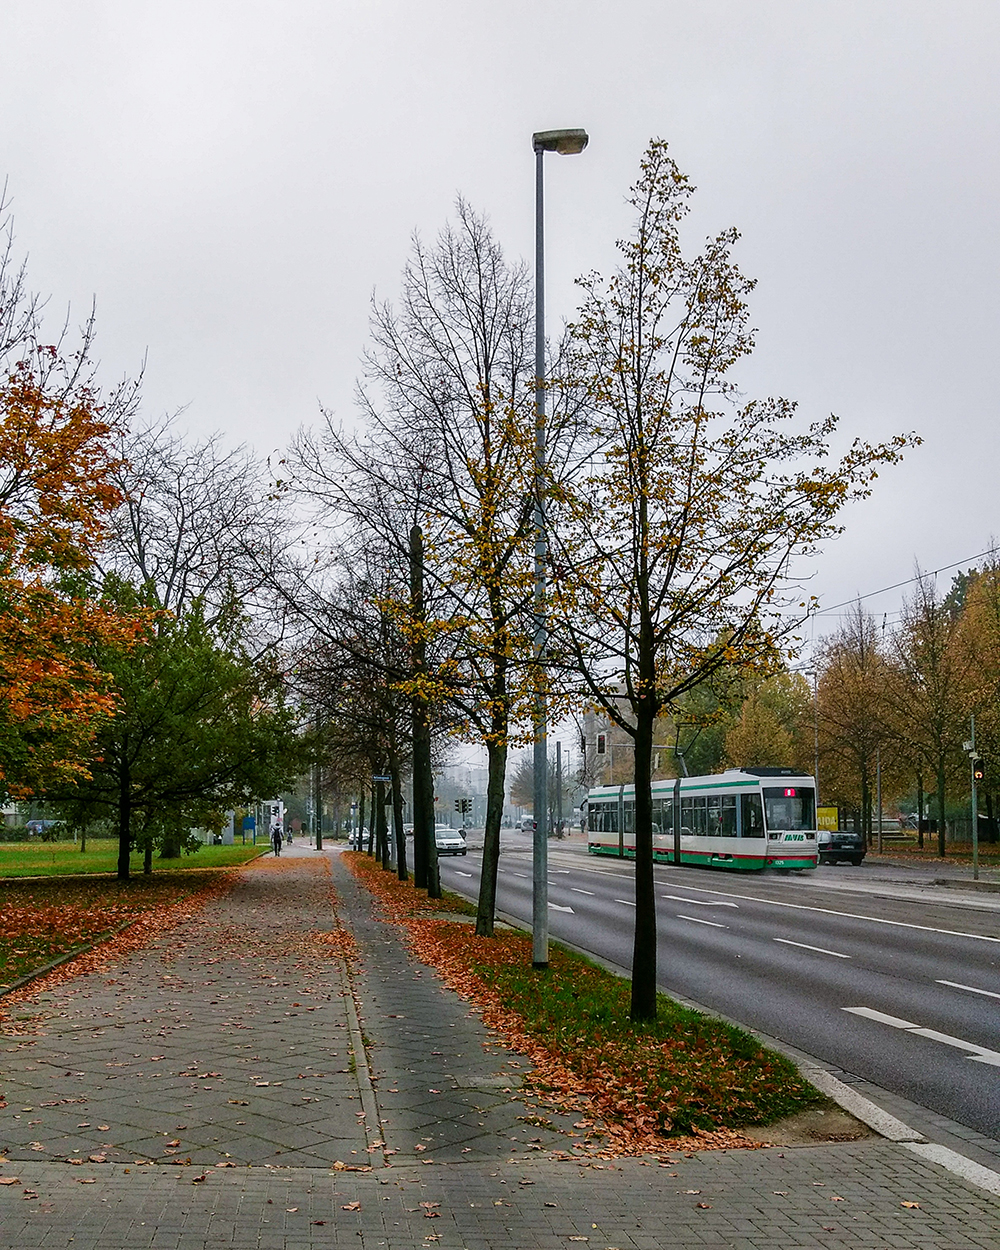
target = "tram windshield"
x: 789, y: 808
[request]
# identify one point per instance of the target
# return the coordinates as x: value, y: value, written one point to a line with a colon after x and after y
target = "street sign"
x: 380, y: 778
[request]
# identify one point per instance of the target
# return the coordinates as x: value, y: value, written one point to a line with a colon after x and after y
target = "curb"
x: 959, y: 883
x: 869, y: 1113
x: 28, y: 977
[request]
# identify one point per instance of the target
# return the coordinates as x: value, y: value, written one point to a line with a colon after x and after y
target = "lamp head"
x: 565, y: 142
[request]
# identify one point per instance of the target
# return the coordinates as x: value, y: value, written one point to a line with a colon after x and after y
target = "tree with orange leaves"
x: 57, y: 465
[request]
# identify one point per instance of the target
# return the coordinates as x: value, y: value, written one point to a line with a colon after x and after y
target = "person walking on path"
x: 276, y: 839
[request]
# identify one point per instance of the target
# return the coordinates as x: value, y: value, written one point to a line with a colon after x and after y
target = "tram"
x: 751, y: 818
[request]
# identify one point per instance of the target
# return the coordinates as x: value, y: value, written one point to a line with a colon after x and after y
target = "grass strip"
x: 59, y: 859
x: 45, y: 919
x: 682, y: 1080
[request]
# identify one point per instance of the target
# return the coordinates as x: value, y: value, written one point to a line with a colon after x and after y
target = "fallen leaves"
x: 638, y: 1090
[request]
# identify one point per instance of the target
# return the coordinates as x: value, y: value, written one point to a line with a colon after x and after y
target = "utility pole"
x: 878, y: 792
x: 976, y: 769
x: 559, y: 788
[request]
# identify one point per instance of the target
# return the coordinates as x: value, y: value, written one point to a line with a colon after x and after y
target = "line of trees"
x: 200, y: 631
x: 140, y: 684
x: 675, y: 509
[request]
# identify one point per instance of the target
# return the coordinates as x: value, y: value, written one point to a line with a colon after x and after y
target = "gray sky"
x: 232, y: 178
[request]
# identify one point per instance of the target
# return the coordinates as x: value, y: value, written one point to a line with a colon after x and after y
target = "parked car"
x: 837, y: 845
x: 449, y: 841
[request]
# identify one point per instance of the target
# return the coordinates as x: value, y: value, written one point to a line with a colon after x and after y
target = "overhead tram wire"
x: 990, y: 551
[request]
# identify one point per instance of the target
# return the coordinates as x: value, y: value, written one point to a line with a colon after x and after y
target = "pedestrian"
x: 276, y: 839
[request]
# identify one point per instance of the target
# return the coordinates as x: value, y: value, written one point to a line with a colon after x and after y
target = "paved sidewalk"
x: 235, y: 1042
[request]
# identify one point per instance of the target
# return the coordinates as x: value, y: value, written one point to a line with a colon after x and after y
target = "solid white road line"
x: 957, y: 985
x: 806, y: 947
x: 847, y: 915
x: 980, y: 1054
x: 697, y: 920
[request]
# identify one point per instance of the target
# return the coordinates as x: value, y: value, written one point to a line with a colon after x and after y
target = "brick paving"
x: 216, y: 1088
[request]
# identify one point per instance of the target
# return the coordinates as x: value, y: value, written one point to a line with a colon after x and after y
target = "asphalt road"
x: 890, y: 981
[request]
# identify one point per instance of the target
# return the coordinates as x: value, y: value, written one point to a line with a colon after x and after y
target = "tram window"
x: 790, y: 807
x: 751, y: 816
x: 727, y: 816
x: 694, y: 816
x: 629, y: 816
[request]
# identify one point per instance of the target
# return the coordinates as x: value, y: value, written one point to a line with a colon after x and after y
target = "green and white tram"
x: 749, y: 818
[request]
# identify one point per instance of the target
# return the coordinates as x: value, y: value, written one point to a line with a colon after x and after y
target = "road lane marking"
x: 698, y: 902
x: 806, y: 947
x: 627, y: 901
x: 847, y: 915
x: 577, y: 890
x: 696, y: 920
x: 971, y: 988
x: 556, y: 907
x: 460, y: 873
x: 980, y: 1054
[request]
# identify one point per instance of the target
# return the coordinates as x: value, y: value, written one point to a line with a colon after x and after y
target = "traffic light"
x: 979, y: 770
x: 458, y: 805
x: 602, y: 744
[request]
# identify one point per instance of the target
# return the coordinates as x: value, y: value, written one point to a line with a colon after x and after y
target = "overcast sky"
x: 231, y: 180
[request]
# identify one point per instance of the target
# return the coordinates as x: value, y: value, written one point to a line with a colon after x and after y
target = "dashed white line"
x: 460, y: 873
x: 806, y: 947
x: 698, y: 920
x: 627, y: 901
x: 957, y: 985
x: 577, y: 890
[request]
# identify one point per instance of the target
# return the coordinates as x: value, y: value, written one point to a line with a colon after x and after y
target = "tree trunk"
x: 124, y: 820
x: 397, y: 815
x: 942, y: 850
x: 644, y: 942
x: 171, y: 848
x: 372, y: 817
x: 496, y: 752
x: 866, y: 809
x: 920, y: 810
x: 361, y: 820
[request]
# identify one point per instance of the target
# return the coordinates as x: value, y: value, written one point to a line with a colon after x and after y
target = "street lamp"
x: 567, y: 143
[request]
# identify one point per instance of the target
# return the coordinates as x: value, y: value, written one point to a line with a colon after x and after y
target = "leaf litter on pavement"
x: 685, y: 1082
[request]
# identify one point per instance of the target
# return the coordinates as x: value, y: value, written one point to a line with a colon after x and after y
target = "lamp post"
x: 567, y: 143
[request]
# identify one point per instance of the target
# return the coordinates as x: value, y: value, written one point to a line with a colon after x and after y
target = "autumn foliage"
x: 683, y: 1081
x: 57, y: 464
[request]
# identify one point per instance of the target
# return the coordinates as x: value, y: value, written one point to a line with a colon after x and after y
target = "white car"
x: 449, y: 841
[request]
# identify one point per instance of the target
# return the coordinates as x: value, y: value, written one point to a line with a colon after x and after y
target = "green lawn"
x: 57, y: 859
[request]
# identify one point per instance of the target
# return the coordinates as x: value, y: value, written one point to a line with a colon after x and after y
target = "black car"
x: 838, y: 845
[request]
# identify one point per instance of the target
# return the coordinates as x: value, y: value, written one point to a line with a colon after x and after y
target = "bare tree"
x: 450, y: 440
x: 675, y: 547
x: 199, y: 521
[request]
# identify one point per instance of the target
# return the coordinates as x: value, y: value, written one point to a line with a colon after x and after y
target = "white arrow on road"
x: 699, y: 902
x: 980, y: 1053
x: 556, y: 907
